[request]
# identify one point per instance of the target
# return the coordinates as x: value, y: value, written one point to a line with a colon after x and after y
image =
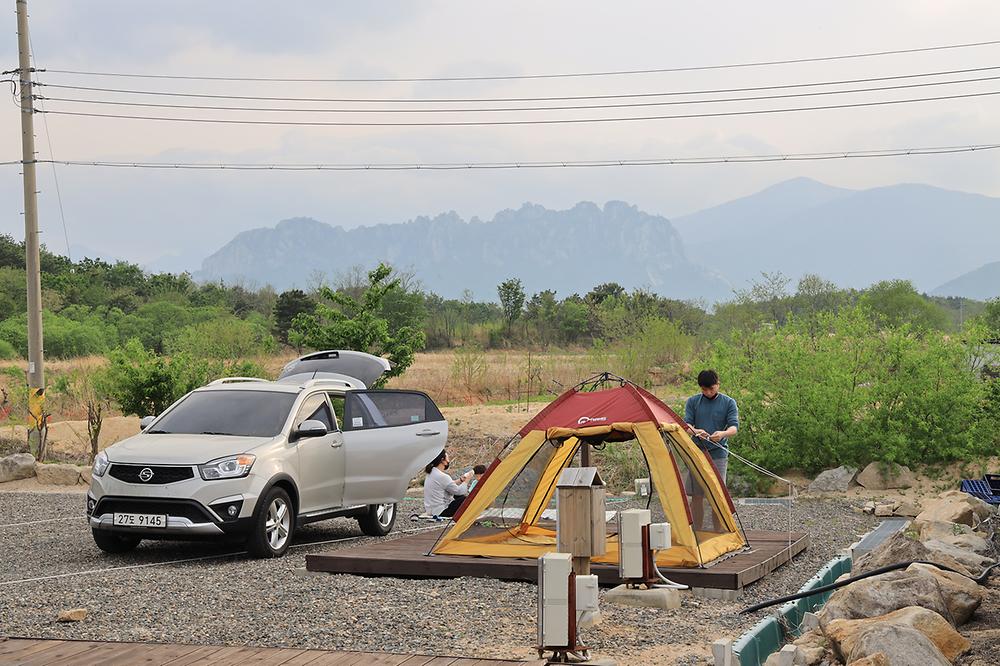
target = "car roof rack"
x: 235, y: 380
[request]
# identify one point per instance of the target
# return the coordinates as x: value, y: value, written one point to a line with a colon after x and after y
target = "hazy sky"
x: 147, y: 215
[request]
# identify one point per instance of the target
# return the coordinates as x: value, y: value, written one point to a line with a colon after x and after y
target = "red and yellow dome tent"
x: 589, y: 415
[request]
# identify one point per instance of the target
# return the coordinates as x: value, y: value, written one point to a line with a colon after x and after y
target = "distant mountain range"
x: 946, y: 242
x: 569, y: 251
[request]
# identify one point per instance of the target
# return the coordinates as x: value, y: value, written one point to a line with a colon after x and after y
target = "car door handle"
x: 428, y: 433
x: 336, y: 444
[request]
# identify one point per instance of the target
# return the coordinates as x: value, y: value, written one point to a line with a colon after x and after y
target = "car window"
x: 337, y: 400
x: 385, y: 409
x: 220, y: 412
x: 315, y: 408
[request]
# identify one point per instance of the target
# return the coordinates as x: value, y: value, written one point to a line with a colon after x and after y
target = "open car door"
x: 366, y: 368
x: 388, y: 436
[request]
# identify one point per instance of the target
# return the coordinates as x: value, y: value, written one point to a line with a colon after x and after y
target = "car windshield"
x: 243, y: 413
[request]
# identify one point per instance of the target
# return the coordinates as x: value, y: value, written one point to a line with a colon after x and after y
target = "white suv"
x: 254, y: 459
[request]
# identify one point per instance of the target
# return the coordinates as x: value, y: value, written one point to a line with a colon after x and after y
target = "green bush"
x: 223, y: 338
x: 144, y: 383
x: 64, y: 337
x: 7, y: 351
x: 837, y: 389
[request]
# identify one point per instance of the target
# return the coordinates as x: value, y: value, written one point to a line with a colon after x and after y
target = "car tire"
x: 378, y: 519
x: 273, y: 525
x: 110, y: 542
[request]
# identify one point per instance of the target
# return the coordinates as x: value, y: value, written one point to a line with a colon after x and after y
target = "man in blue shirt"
x: 712, y: 418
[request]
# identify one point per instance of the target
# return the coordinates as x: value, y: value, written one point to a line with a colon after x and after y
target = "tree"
x: 896, y: 302
x: 346, y: 322
x: 511, y: 295
x: 289, y: 305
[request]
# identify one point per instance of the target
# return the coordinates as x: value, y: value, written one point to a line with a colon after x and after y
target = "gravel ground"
x: 238, y: 601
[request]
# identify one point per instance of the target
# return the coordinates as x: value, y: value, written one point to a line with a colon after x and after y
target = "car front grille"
x: 160, y: 473
x: 189, y: 509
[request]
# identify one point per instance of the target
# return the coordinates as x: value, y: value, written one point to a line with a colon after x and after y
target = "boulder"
x: 812, y: 647
x: 938, y: 529
x: 883, y: 594
x: 903, y: 546
x: 833, y: 480
x: 972, y: 543
x: 86, y: 473
x: 877, y: 476
x: 877, y: 659
x: 907, y: 510
x: 884, y: 510
x: 17, y: 466
x: 57, y: 474
x: 901, y: 646
x: 969, y: 559
x: 844, y: 634
x: 961, y: 595
x: 955, y: 506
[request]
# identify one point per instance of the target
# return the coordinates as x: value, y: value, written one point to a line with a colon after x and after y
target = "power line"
x: 697, y: 68
x: 815, y: 93
x: 448, y: 100
x: 543, y: 164
x: 55, y: 176
x: 550, y: 121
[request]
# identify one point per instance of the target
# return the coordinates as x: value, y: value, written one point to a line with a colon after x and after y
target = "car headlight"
x: 231, y: 467
x: 101, y: 464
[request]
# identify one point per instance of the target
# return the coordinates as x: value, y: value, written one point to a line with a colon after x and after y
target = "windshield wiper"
x: 156, y: 432
x: 209, y: 432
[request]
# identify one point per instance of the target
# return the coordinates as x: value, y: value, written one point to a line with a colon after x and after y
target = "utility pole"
x: 36, y: 374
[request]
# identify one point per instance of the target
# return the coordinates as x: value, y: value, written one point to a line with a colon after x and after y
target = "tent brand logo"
x: 590, y: 419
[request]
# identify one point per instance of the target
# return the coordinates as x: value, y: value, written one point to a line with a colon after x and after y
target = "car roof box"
x: 367, y: 368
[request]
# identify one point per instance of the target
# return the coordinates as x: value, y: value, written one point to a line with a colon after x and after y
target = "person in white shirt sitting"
x: 443, y: 494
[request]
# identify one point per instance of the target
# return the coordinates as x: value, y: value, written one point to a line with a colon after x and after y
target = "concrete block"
x: 659, y: 597
x: 722, y: 653
x: 715, y: 593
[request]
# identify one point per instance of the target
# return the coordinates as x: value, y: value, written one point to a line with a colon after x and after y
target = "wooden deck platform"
x: 405, y: 557
x: 39, y: 652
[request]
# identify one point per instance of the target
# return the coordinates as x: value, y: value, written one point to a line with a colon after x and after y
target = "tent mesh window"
x: 509, y: 509
x: 706, y: 513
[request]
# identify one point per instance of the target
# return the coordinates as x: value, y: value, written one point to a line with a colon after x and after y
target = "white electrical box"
x: 631, y: 554
x: 553, y: 599
x: 642, y: 487
x: 586, y: 594
x: 659, y: 536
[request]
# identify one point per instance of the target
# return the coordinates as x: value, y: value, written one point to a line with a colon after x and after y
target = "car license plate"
x: 139, y: 520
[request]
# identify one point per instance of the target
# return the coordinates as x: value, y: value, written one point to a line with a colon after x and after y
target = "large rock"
x: 57, y: 474
x: 903, y: 546
x: 845, y: 634
x: 883, y: 594
x: 901, y: 646
x: 17, y: 466
x: 812, y: 648
x: 833, y: 480
x: 72, y: 615
x: 966, y: 557
x: 938, y: 529
x: 961, y: 595
x: 955, y: 506
x: 877, y: 659
x: 877, y: 476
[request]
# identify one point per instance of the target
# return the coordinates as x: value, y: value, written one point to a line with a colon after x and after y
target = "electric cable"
x: 547, y: 121
x: 566, y: 107
x: 556, y: 98
x: 545, y: 164
x: 52, y: 163
x: 509, y: 77
x: 980, y: 580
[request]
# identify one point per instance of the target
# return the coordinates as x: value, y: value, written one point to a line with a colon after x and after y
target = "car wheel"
x: 114, y: 543
x: 273, y: 525
x: 378, y: 519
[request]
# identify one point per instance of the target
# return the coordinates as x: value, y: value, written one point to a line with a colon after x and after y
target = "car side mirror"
x: 310, y: 428
x: 146, y: 420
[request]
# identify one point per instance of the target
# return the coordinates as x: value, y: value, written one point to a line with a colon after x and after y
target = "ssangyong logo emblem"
x: 145, y: 474
x: 591, y: 419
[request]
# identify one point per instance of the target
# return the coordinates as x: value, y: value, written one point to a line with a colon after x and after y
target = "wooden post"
x: 580, y: 529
